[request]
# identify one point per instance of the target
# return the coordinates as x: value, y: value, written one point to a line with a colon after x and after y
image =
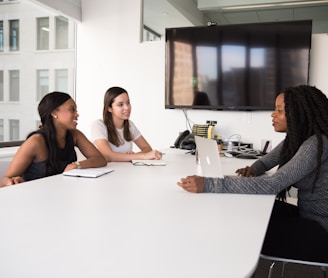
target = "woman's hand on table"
x: 248, y: 171
x: 193, y: 184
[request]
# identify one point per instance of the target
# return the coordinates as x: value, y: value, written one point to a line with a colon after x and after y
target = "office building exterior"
x: 37, y: 56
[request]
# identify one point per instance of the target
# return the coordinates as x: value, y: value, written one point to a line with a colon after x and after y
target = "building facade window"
x: 14, y: 130
x: 61, y: 79
x: 61, y: 32
x: 43, y: 30
x: 14, y: 85
x: 1, y: 35
x: 14, y: 35
x: 1, y: 86
x: 43, y: 83
x: 37, y: 68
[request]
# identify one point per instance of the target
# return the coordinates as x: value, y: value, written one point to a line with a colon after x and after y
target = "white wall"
x: 319, y: 59
x: 109, y: 53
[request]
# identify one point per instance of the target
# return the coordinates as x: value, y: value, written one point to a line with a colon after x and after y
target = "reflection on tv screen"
x: 235, y: 66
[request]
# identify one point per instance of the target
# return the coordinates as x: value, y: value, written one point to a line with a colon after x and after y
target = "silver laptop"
x: 209, y: 157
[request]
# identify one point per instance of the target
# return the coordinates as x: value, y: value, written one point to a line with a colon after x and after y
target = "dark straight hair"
x: 47, y: 105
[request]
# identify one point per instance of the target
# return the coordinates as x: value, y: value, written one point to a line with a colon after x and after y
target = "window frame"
x: 14, y: 38
x: 14, y: 85
x: 40, y: 78
x: 1, y: 36
x: 42, y: 33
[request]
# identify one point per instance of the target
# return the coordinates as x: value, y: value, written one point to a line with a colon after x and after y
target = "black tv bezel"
x: 220, y: 107
x: 227, y: 107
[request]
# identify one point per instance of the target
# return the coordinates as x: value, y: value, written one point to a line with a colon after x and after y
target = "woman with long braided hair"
x: 295, y: 232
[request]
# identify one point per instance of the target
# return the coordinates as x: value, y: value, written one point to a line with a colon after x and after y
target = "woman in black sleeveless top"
x: 51, y: 149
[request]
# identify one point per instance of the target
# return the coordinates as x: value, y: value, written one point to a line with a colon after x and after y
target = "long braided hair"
x: 113, y: 136
x: 306, y: 110
x: 47, y: 105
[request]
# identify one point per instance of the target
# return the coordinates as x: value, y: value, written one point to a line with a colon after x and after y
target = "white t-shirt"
x: 99, y: 131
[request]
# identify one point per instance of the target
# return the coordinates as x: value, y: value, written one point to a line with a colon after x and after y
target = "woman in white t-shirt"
x: 115, y: 134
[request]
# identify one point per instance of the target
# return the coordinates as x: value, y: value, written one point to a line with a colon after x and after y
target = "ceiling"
x: 161, y: 14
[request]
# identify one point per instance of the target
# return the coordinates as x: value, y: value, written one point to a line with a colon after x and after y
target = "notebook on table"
x: 148, y: 162
x: 88, y: 172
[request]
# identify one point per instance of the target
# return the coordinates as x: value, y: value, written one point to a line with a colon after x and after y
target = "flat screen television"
x: 235, y: 67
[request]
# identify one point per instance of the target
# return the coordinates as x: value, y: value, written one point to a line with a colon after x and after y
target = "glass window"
x: 43, y: 30
x: 150, y: 35
x: 29, y: 74
x: 61, y: 80
x: 1, y: 35
x: 1, y: 86
x: 14, y: 35
x: 61, y: 32
x: 14, y: 85
x: 43, y: 83
x: 14, y: 130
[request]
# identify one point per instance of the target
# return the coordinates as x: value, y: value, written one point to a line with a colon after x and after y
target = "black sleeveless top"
x: 65, y: 156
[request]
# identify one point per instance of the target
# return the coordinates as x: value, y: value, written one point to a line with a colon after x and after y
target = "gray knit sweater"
x: 300, y: 171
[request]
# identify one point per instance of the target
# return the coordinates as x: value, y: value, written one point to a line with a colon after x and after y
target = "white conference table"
x: 133, y: 222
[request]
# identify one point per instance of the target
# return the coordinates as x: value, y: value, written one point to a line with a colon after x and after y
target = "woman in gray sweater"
x: 298, y: 232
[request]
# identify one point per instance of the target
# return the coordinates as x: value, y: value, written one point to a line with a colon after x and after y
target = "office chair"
x: 324, y: 266
x: 315, y: 257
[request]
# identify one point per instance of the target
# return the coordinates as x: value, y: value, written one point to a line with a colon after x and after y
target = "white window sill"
x: 8, y: 152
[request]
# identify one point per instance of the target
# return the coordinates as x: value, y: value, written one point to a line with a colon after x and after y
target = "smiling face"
x: 279, y: 120
x: 66, y: 115
x: 121, y: 108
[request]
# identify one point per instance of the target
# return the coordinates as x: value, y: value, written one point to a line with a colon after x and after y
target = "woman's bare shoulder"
x: 77, y: 135
x: 34, y: 147
x: 35, y: 141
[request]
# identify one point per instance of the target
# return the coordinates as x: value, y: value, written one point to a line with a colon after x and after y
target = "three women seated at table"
x: 302, y: 159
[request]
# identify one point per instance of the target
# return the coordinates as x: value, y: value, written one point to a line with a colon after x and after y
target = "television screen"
x: 235, y: 67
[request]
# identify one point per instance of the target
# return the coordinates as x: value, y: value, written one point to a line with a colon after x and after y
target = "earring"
x: 55, y: 116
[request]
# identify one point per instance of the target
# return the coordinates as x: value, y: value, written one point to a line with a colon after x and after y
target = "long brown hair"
x: 113, y: 136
